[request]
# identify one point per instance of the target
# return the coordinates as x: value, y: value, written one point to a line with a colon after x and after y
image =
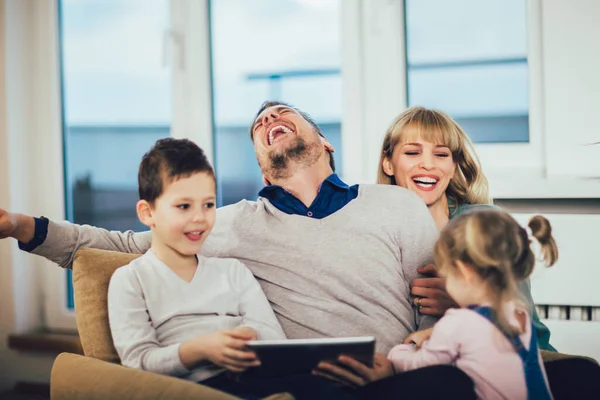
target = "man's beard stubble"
x: 301, y: 153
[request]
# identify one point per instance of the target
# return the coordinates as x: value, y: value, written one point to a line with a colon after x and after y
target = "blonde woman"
x: 428, y: 153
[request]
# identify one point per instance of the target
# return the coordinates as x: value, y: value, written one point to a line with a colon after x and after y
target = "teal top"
x: 542, y: 331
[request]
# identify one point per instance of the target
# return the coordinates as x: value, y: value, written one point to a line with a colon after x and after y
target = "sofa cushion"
x: 92, y: 270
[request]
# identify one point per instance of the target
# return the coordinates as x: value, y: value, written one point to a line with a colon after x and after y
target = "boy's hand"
x: 418, y: 337
x: 228, y: 350
x: 246, y: 330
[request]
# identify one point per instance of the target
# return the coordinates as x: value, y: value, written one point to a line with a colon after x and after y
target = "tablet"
x: 295, y: 356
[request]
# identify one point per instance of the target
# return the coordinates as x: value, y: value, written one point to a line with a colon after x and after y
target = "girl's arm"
x: 441, y: 348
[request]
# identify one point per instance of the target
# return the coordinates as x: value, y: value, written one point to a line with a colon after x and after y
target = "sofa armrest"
x: 75, y: 377
x: 549, y: 356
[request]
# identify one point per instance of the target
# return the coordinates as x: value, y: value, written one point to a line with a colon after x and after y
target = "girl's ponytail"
x: 542, y: 231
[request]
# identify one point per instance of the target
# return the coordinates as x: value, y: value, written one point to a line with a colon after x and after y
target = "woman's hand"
x: 353, y: 373
x: 430, y: 293
x: 418, y: 337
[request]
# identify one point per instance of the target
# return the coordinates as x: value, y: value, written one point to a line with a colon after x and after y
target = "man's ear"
x: 144, y: 212
x: 467, y: 271
x: 387, y: 167
x: 328, y: 146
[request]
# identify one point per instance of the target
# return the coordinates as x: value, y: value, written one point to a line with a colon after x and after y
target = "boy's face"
x: 184, y: 215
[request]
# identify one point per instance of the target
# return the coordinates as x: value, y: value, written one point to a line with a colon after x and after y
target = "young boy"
x: 173, y: 311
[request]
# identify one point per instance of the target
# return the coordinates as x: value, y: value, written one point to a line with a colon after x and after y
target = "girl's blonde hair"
x: 497, y: 248
x: 468, y: 185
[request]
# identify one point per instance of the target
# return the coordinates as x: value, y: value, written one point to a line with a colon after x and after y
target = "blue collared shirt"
x: 333, y: 195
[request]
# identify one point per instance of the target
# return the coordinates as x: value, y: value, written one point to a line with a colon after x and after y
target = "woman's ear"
x: 144, y: 212
x: 387, y: 167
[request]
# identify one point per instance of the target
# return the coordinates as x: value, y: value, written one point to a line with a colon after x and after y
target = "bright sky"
x: 113, y: 57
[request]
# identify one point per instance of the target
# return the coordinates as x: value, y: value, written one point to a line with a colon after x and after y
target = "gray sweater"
x: 347, y: 274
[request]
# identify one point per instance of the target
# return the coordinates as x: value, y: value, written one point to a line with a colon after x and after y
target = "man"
x: 334, y: 260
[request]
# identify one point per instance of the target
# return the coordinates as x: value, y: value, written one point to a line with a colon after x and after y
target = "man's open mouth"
x: 275, y: 132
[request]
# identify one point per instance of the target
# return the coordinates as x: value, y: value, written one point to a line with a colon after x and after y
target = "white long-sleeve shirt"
x: 152, y: 311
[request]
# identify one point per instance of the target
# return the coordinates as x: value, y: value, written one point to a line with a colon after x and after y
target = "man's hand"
x: 18, y: 226
x: 228, y: 349
x: 418, y: 337
x: 430, y: 293
x: 354, y: 373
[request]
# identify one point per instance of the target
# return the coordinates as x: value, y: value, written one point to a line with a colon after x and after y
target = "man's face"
x: 281, y: 136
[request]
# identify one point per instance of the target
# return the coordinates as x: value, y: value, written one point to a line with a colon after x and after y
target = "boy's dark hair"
x: 169, y: 159
x: 304, y: 115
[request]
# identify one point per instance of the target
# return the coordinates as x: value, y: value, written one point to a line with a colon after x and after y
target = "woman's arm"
x: 541, y: 330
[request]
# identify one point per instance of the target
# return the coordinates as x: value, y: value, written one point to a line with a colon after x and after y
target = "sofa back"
x: 92, y: 270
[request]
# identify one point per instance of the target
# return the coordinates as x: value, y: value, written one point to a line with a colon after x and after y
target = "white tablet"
x: 294, y: 356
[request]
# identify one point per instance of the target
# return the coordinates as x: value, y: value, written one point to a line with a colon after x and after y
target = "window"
x: 469, y: 58
x: 299, y: 64
x: 116, y: 104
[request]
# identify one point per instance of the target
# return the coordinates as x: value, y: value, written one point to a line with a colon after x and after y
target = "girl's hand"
x: 228, y: 349
x: 418, y: 337
x: 354, y: 373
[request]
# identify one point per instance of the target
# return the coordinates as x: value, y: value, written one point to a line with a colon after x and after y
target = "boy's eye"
x: 183, y: 206
x: 209, y: 205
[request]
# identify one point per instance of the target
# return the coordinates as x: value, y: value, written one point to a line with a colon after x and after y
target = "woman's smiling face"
x: 424, y: 167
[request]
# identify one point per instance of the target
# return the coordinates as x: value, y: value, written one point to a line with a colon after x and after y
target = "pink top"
x: 472, y: 343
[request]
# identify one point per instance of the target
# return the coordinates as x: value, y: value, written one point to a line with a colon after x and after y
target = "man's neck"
x: 440, y: 212
x: 305, y: 182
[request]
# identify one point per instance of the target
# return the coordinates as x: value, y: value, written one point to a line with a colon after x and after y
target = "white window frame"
x: 188, y: 40
x: 374, y: 84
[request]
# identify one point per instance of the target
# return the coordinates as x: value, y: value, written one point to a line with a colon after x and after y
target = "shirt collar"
x: 273, y: 192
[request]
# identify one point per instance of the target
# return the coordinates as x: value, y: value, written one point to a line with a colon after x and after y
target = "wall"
x: 572, y: 90
x: 23, y: 180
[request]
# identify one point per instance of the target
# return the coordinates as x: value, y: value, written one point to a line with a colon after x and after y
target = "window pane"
x: 287, y: 50
x: 116, y: 102
x: 469, y: 58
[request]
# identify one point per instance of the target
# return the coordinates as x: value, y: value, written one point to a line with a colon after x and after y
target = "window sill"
x: 45, y: 342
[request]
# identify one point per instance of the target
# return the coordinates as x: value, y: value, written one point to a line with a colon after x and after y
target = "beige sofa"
x: 98, y: 375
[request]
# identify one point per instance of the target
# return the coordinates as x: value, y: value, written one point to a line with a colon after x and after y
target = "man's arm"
x: 255, y: 308
x: 418, y: 235
x: 58, y: 241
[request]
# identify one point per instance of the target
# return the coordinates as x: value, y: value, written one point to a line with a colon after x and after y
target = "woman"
x: 428, y: 153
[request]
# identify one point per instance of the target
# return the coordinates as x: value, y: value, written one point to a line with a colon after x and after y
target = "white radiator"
x: 568, y: 294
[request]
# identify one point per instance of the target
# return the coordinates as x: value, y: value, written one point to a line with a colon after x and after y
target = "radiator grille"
x: 568, y: 313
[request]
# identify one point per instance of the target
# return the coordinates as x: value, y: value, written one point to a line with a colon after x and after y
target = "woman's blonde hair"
x: 497, y: 248
x: 468, y: 185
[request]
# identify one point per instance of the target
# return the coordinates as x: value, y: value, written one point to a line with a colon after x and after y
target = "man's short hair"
x: 304, y: 115
x: 168, y: 160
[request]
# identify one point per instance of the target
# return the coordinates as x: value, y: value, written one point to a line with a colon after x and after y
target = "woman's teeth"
x: 425, y: 182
